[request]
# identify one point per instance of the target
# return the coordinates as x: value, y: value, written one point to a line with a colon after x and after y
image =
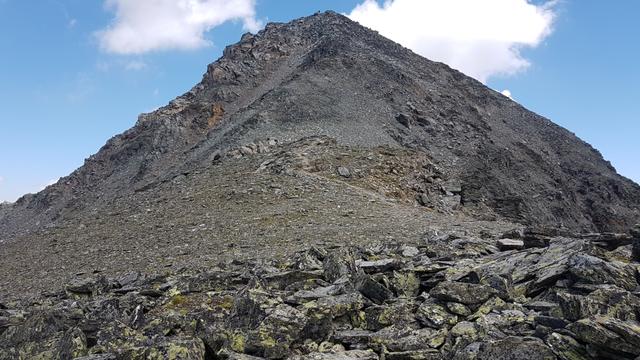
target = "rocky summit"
x: 325, y: 193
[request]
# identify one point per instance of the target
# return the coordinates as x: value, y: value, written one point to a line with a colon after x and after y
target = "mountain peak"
x: 326, y: 75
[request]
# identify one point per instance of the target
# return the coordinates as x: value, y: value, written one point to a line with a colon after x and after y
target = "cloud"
x: 507, y: 93
x: 482, y: 38
x: 142, y: 26
x: 1, y: 180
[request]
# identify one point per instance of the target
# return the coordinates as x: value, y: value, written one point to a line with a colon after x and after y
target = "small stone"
x: 404, y: 119
x: 409, y: 251
x: 344, y: 172
x: 510, y: 244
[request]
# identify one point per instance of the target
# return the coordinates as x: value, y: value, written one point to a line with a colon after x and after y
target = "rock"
x: 88, y: 286
x: 566, y: 347
x: 232, y: 355
x: 337, y: 264
x: 339, y: 305
x: 372, y: 289
x: 516, y: 348
x: 435, y: 316
x: 399, y: 314
x: 412, y: 340
x: 458, y: 309
x: 551, y: 322
x: 303, y: 296
x: 404, y: 119
x: 608, y: 335
x: 468, y: 330
x: 97, y: 357
x: 463, y: 293
x: 405, y: 284
x: 544, y: 307
x: 344, y: 172
x: 345, y: 355
x: 593, y: 270
x: 409, y: 251
x: 608, y: 301
x: 283, y: 279
x: 378, y: 266
x: 510, y: 244
x: 352, y: 337
x: 453, y: 187
x: 425, y: 200
x: 609, y: 240
x: 273, y: 337
x: 425, y: 354
x: 537, y: 237
x: 635, y: 250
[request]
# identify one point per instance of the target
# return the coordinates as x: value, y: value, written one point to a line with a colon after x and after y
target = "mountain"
x: 318, y: 134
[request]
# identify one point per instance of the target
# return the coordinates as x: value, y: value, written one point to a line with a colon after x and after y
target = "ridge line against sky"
x: 108, y: 62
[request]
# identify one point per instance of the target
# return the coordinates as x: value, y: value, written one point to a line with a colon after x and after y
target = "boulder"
x: 593, y: 270
x: 516, y: 348
x: 609, y: 336
x: 435, y: 315
x: 464, y: 293
x: 372, y: 289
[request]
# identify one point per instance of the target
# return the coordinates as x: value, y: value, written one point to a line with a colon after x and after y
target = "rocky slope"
x: 326, y: 75
x: 523, y: 295
x: 324, y: 193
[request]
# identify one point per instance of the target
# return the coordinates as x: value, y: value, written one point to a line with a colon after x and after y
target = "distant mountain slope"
x: 326, y: 75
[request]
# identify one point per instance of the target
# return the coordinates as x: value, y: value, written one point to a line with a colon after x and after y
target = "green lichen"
x: 237, y: 342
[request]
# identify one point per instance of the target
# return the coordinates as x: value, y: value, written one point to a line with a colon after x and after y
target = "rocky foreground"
x: 528, y: 294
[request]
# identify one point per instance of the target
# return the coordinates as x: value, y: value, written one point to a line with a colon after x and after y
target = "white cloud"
x: 507, y: 93
x: 1, y: 180
x: 481, y: 38
x: 146, y: 25
x: 72, y: 23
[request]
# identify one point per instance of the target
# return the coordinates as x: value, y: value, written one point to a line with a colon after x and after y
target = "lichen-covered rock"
x: 464, y: 293
x: 606, y: 301
x: 338, y: 263
x: 593, y: 270
x: 566, y: 347
x: 609, y: 336
x: 516, y: 348
x: 435, y: 315
x: 344, y: 355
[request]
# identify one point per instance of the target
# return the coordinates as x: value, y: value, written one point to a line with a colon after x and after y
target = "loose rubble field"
x: 551, y: 296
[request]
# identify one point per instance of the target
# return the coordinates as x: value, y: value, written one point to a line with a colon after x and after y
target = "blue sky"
x: 64, y: 90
